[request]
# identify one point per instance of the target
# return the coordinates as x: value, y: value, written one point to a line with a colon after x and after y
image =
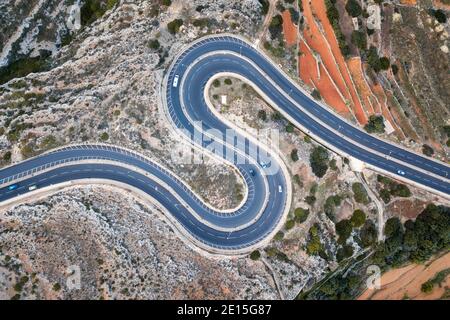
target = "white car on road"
x: 401, y: 172
x: 175, y: 81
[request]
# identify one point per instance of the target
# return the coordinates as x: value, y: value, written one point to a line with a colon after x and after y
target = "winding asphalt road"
x: 266, y: 203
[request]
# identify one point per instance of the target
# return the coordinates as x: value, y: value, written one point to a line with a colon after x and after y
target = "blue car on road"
x: 12, y: 187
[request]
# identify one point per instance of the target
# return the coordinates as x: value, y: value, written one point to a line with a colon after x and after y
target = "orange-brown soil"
x: 289, y: 29
x: 315, y: 75
x: 406, y: 282
x: 409, y: 2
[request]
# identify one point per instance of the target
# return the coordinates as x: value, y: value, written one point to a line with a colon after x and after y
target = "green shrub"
x: 394, y: 69
x: 343, y: 229
x: 333, y: 165
x: 384, y: 63
x: 316, y: 94
x: 360, y: 194
x: 262, y: 115
x: 310, y: 200
x: 307, y: 139
x: 353, y: 8
x: 277, y: 116
x: 313, y: 245
x: 427, y: 150
x: 154, y: 44
x: 7, y: 156
x: 345, y: 252
x: 427, y: 287
x: 104, y: 136
x: 255, y: 255
x: 330, y: 203
x: 298, y: 180
x: 264, y: 6
x: 301, y: 215
x: 294, y: 155
x: 49, y: 142
x: 279, y: 236
x: 289, y: 224
x: 385, y: 195
x: 174, y: 26
x: 358, y: 218
x: 289, y: 128
x: 359, y: 39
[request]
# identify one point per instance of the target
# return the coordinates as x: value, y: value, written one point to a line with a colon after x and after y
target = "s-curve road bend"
x: 268, y: 186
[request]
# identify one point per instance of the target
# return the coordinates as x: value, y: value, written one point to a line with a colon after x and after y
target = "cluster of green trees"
x: 359, y: 39
x: 24, y: 66
x: 95, y: 9
x: 333, y: 17
x: 375, y: 124
x: 415, y: 241
x: 436, y: 280
x: 319, y: 161
x: 276, y: 26
x: 264, y: 6
x: 300, y: 216
x: 375, y: 62
x: 391, y: 188
x: 345, y: 227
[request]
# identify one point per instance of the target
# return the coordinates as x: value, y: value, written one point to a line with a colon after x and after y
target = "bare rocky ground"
x: 104, y: 87
x: 123, y: 248
x: 418, y: 45
x: 106, y: 81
